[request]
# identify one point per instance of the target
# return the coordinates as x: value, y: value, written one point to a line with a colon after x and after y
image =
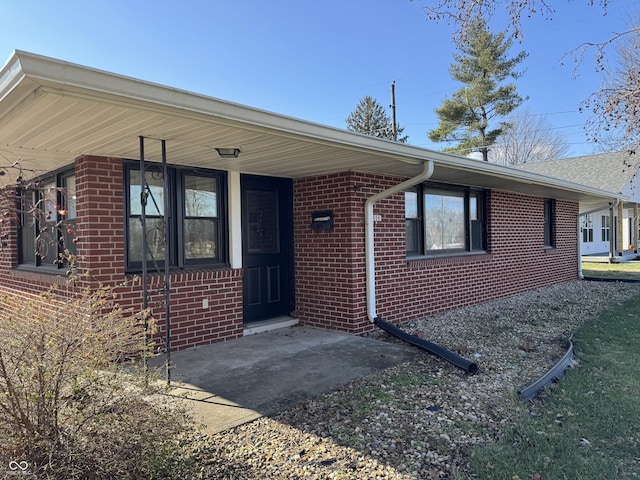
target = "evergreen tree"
x: 482, y: 67
x: 370, y: 118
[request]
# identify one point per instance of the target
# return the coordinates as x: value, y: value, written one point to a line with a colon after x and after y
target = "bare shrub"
x: 75, y: 401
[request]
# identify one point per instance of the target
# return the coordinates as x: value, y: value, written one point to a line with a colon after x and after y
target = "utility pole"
x: 393, y: 111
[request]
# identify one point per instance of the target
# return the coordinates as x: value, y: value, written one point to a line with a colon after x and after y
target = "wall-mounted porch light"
x: 228, y: 152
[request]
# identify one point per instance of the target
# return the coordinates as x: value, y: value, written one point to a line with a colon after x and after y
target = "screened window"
x: 48, y: 222
x: 442, y: 220
x: 195, y: 222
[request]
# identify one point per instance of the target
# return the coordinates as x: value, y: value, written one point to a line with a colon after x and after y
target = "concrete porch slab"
x: 234, y: 382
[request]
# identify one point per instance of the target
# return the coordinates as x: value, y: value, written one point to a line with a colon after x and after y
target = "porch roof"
x: 53, y: 111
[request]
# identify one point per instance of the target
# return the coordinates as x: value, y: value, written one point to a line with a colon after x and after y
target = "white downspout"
x: 369, y: 234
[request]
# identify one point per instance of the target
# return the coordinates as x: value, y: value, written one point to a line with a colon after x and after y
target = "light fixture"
x: 228, y: 152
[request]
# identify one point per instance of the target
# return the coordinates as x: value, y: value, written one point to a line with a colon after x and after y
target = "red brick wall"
x: 330, y: 265
x: 101, y: 254
x: 330, y: 268
x: 206, y: 304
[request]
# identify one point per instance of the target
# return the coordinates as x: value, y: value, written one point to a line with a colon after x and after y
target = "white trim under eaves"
x: 75, y: 80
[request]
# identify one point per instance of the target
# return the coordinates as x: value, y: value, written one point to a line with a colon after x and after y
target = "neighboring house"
x: 613, y: 230
x: 270, y: 220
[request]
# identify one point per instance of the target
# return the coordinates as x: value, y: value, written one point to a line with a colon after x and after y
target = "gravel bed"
x: 418, y: 420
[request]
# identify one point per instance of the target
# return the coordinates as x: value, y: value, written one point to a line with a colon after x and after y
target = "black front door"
x: 267, y: 247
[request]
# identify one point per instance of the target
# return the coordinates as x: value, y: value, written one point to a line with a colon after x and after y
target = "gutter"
x: 426, y: 173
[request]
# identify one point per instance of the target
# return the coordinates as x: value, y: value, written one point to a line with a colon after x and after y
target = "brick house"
x: 257, y: 220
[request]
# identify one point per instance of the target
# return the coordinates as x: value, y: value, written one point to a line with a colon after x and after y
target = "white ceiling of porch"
x: 52, y: 112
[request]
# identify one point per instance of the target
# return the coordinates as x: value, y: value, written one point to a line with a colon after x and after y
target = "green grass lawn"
x: 627, y: 270
x: 588, y: 425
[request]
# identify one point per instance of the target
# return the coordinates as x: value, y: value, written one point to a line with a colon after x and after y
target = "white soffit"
x: 52, y: 112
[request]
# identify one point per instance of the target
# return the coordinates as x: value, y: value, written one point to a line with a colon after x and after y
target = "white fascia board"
x: 15, y: 87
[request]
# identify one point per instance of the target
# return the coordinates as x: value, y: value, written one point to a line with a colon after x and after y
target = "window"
x: 48, y: 221
x: 587, y: 228
x: 606, y: 228
x: 549, y: 222
x: 444, y: 220
x: 196, y: 220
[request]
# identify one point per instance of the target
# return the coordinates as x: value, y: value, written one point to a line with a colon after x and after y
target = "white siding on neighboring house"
x: 596, y: 231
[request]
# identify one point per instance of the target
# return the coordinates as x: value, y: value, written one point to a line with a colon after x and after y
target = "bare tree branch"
x: 462, y: 12
x: 528, y: 138
x: 615, y: 108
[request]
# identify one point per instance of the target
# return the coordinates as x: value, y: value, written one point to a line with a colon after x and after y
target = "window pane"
x: 548, y: 223
x: 263, y: 221
x: 413, y: 236
x: 68, y: 233
x: 155, y: 239
x: 473, y: 207
x: 68, y: 212
x: 411, y: 204
x: 47, y: 245
x: 200, y: 238
x: 478, y: 239
x: 47, y: 241
x: 69, y: 197
x: 200, y: 196
x: 155, y: 201
x: 50, y: 202
x: 28, y: 229
x: 444, y: 220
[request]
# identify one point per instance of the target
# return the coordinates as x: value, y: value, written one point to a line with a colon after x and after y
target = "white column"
x: 235, y: 220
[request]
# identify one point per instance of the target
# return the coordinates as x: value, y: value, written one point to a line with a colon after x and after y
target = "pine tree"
x: 370, y: 118
x: 482, y: 66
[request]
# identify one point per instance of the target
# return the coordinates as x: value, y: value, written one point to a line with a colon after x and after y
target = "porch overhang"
x: 53, y: 111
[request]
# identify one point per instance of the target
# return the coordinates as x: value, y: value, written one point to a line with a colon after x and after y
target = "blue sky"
x: 310, y: 60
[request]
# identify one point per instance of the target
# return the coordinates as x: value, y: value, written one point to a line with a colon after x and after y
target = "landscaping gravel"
x: 418, y: 420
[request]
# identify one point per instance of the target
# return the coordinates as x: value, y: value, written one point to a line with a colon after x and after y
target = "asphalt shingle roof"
x: 608, y: 171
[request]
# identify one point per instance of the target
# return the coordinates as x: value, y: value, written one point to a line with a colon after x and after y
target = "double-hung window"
x: 444, y: 219
x: 47, y: 212
x: 195, y: 218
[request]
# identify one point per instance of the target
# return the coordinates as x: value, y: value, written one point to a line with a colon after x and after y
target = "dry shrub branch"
x: 75, y: 401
